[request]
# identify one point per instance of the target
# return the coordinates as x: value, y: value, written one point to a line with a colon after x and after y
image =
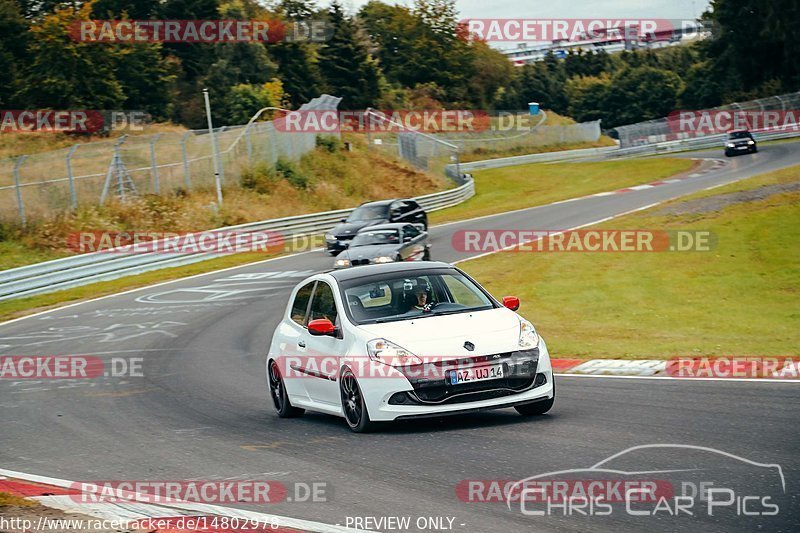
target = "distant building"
x: 612, y: 41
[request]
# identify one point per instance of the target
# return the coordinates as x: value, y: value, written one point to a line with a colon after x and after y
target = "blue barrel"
x: 533, y: 107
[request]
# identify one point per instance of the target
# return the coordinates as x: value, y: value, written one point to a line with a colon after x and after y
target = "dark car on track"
x: 372, y: 213
x: 740, y: 142
x: 386, y: 243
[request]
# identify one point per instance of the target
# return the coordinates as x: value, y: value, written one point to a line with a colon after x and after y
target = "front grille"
x: 356, y: 262
x: 432, y: 386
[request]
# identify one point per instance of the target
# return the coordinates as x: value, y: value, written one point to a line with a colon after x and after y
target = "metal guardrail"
x: 614, y: 152
x: 697, y: 143
x: 88, y: 268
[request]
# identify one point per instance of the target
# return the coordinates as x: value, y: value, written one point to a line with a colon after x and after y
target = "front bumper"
x: 429, y: 400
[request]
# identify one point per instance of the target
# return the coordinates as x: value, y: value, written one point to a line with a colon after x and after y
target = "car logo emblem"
x: 469, y: 346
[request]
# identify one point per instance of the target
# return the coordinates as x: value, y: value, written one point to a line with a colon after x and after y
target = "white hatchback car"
x: 401, y: 341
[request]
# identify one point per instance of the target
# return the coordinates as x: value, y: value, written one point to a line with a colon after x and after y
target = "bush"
x: 329, y: 143
x: 260, y: 178
x: 290, y: 172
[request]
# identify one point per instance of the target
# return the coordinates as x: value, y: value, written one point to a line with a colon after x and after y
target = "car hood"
x: 349, y: 229
x: 491, y: 331
x: 369, y: 252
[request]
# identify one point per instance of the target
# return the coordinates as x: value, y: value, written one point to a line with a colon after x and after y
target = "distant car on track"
x: 372, y: 213
x: 740, y: 142
x: 386, y: 243
x: 401, y: 341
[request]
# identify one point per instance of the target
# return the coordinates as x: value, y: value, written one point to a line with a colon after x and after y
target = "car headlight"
x: 383, y: 259
x: 731, y: 145
x: 528, y: 338
x: 390, y: 353
x: 330, y: 236
x: 342, y: 263
x: 751, y: 142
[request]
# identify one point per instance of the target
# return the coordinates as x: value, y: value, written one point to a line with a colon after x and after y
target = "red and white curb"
x: 61, y: 494
x: 789, y: 370
x: 708, y: 165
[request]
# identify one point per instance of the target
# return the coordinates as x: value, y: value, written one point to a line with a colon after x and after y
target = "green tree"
x: 641, y: 93
x: 297, y: 61
x: 12, y: 50
x: 347, y: 69
x: 65, y: 73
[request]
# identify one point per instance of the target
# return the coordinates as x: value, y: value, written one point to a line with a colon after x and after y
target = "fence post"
x: 219, y: 155
x: 73, y: 195
x: 187, y: 180
x: 20, y: 206
x: 153, y: 165
x: 249, y: 145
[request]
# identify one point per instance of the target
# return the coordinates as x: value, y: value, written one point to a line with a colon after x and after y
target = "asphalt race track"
x: 202, y: 410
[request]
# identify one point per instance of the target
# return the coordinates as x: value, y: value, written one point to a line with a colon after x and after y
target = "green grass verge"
x: 509, y: 188
x: 738, y: 299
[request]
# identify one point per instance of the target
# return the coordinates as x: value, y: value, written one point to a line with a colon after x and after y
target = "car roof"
x: 378, y: 203
x: 391, y: 225
x: 346, y: 274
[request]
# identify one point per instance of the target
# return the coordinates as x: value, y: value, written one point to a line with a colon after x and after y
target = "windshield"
x: 384, y: 236
x: 739, y: 135
x: 368, y: 212
x: 400, y: 296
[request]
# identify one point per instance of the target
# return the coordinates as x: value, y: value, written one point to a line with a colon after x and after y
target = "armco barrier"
x: 614, y: 152
x: 103, y: 266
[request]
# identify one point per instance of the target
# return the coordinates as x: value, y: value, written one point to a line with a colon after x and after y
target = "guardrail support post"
x: 17, y: 186
x: 187, y: 180
x: 153, y: 165
x: 73, y: 195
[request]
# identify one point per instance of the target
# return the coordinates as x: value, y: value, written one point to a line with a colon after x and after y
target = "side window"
x: 323, y: 305
x: 396, y: 210
x: 411, y: 206
x: 300, y: 304
x: 410, y: 232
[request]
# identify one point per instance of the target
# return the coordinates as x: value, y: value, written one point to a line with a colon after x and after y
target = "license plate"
x: 741, y: 147
x: 478, y: 373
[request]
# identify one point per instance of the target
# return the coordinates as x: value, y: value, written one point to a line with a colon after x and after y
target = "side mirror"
x: 343, y: 220
x: 512, y: 302
x: 321, y: 326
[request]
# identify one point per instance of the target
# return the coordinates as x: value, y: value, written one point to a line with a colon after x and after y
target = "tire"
x: 425, y: 225
x: 537, y: 408
x: 755, y: 149
x: 427, y: 255
x: 277, y: 391
x: 353, y: 406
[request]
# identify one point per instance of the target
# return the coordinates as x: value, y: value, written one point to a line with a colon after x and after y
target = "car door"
x: 322, y: 367
x: 293, y: 347
x: 414, y: 242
